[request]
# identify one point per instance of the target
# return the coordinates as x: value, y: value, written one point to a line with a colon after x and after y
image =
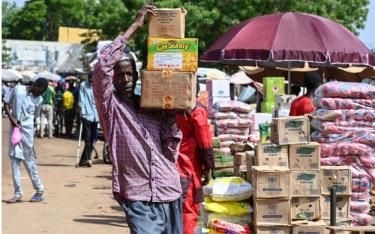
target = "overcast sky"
x: 367, y: 35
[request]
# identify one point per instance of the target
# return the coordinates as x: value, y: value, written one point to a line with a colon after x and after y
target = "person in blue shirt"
x: 89, y: 118
x: 25, y: 102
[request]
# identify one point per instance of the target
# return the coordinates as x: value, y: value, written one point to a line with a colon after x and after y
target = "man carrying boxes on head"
x: 143, y: 145
x: 170, y: 83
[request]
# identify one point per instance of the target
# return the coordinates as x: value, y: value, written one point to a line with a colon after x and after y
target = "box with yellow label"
x: 172, y: 54
x: 168, y: 90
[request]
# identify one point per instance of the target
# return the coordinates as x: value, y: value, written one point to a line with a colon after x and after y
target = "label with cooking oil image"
x: 172, y: 54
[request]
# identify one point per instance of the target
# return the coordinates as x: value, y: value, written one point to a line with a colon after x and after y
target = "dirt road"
x: 76, y: 200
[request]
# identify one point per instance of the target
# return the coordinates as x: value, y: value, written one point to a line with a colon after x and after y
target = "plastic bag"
x: 229, y: 189
x: 225, y: 115
x: 228, y: 208
x: 16, y: 136
x: 222, y: 226
x: 235, y: 106
x: 346, y: 90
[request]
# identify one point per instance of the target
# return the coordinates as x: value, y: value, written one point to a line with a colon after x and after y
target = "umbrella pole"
x: 289, y: 73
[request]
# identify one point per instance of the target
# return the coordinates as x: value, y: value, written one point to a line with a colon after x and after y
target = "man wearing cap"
x: 89, y: 118
x: 143, y: 144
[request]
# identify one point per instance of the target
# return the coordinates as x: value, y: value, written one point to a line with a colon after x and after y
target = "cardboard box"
x: 342, y: 207
x: 305, y: 183
x: 310, y: 228
x: 218, y: 88
x: 291, y: 130
x: 216, y: 142
x: 239, y: 159
x: 304, y: 157
x: 271, y: 155
x: 172, y: 54
x: 238, y: 169
x: 272, y: 211
x: 339, y: 177
x: 250, y: 162
x: 271, y: 182
x: 172, y: 90
x: 305, y: 208
x: 167, y: 23
x: 273, y: 86
x: 273, y: 229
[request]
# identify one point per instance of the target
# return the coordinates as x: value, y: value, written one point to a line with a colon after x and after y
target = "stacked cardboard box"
x: 298, y: 165
x: 271, y: 196
x: 340, y: 178
x: 172, y: 60
x: 306, y: 183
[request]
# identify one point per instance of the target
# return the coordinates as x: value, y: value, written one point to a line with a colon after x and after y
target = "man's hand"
x: 14, y: 121
x: 140, y: 18
x: 206, y: 173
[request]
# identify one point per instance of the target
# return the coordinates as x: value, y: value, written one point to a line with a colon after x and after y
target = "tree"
x: 206, y: 20
x: 9, y: 11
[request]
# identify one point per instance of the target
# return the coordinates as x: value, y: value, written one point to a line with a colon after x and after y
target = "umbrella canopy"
x: 272, y: 40
x: 48, y: 75
x: 10, y: 75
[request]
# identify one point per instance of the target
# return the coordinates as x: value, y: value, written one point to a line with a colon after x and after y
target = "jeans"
x: 154, y: 217
x: 46, y: 112
x: 89, y: 133
x: 32, y: 170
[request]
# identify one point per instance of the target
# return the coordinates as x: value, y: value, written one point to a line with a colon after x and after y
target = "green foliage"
x: 206, y: 20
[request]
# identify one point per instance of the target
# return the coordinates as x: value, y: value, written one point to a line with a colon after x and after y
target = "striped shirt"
x: 144, y: 146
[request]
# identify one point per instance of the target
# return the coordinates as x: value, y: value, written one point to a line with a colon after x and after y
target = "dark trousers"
x: 69, y: 121
x: 154, y: 217
x: 88, y: 132
x: 59, y: 122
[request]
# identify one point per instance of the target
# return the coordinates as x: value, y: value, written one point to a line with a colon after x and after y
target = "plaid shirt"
x: 144, y: 147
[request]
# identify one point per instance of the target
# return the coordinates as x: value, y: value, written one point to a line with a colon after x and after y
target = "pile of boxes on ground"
x: 170, y: 80
x: 291, y: 190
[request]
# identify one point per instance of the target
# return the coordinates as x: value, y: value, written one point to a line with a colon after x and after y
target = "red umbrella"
x: 273, y: 39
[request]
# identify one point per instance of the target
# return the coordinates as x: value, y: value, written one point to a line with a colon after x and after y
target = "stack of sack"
x: 226, y: 208
x: 345, y: 127
x: 233, y: 119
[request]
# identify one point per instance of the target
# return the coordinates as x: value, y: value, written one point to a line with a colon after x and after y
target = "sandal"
x: 15, y: 199
x: 38, y: 197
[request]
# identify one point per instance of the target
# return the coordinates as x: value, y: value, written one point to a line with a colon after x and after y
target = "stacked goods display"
x: 172, y: 62
x: 287, y: 179
x: 233, y: 122
x: 226, y: 208
x: 345, y: 127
